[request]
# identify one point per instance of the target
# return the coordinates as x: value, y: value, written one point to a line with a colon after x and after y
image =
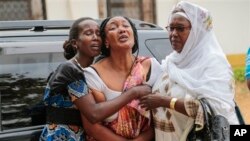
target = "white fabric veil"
x: 201, y: 67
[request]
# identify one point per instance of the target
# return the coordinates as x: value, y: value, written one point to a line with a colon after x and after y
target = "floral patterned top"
x: 65, y: 85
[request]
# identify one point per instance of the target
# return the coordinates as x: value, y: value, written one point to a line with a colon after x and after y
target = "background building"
x: 231, y: 17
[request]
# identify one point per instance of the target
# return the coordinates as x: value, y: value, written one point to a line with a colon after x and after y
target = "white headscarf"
x: 201, y: 67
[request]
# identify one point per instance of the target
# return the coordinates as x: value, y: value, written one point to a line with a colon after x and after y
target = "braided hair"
x: 69, y: 50
x: 105, y: 51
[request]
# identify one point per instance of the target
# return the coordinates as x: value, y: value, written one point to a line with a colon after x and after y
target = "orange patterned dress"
x: 131, y: 120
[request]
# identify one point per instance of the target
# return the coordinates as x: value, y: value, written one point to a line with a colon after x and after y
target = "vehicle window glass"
x: 24, y: 68
x: 160, y: 48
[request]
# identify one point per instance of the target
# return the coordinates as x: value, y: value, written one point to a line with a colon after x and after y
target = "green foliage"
x: 239, y: 74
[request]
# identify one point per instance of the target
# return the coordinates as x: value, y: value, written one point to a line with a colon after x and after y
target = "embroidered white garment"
x: 202, y: 66
x: 200, y: 70
x: 170, y: 124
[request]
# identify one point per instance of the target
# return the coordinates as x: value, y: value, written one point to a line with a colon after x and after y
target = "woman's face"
x: 119, y: 34
x: 89, y: 40
x: 179, y: 29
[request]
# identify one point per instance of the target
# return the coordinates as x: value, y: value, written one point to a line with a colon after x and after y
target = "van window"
x: 24, y: 68
x: 160, y: 47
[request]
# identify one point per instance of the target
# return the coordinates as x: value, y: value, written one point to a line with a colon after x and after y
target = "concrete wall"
x: 71, y: 9
x: 231, y: 20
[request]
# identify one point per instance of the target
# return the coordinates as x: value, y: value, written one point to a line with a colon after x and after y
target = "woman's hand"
x: 152, y: 101
x: 141, y: 90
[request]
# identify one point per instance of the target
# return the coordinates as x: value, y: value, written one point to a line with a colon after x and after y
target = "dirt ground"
x: 242, y: 98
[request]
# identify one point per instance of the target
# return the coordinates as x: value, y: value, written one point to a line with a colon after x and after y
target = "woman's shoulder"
x: 65, y: 74
x: 90, y: 70
x: 148, y: 62
x: 101, y: 67
x: 93, y: 79
x: 64, y: 67
x: 145, y: 61
x: 68, y: 69
x: 100, y: 62
x: 91, y: 73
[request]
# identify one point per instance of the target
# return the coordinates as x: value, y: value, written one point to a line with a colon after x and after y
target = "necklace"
x: 78, y: 64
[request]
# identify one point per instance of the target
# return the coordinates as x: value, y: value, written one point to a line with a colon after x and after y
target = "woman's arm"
x: 154, y: 101
x: 96, y: 112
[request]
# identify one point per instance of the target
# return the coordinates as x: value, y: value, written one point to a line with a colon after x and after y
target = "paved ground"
x: 242, y: 98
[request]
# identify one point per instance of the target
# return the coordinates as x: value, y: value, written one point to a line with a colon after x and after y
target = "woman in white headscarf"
x: 196, y: 69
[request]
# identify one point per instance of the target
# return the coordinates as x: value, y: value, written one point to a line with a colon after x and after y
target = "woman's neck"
x: 122, y: 61
x: 84, y: 61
